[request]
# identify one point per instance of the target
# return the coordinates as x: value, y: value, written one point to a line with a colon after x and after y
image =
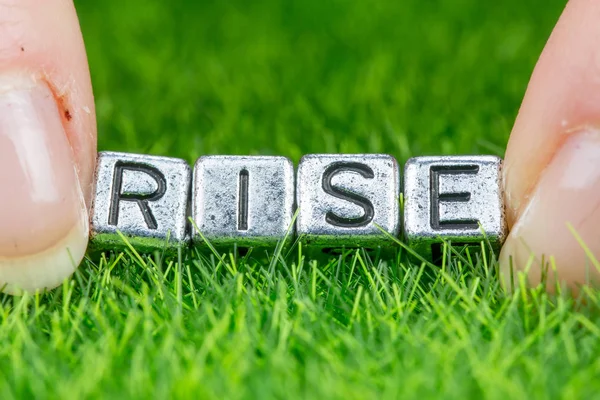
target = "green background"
x: 294, y: 77
x: 410, y: 77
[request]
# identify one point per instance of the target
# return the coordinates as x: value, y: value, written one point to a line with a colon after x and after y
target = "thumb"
x: 552, y: 163
x: 47, y: 143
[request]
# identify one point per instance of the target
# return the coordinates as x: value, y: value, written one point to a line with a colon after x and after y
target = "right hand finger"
x: 552, y: 164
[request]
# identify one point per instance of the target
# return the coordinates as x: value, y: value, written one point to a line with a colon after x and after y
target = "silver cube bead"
x: 348, y: 200
x: 243, y: 200
x: 453, y: 198
x: 144, y: 197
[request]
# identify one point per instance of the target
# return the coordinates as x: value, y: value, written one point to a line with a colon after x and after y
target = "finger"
x: 552, y: 163
x: 47, y: 143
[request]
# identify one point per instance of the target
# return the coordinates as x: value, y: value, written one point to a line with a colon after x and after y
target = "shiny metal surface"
x: 243, y: 200
x: 453, y: 198
x: 144, y: 197
x: 343, y: 199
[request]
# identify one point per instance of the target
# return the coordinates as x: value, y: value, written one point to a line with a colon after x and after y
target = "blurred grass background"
x: 406, y: 77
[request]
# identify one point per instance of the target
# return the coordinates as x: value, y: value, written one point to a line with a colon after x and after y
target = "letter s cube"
x: 144, y: 197
x: 348, y: 200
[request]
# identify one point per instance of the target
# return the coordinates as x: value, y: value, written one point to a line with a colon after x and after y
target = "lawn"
x: 405, y: 77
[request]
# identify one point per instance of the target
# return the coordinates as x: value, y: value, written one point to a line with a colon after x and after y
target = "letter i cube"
x: 246, y: 201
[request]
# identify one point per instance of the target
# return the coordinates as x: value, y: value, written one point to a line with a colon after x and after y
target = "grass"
x: 407, y: 77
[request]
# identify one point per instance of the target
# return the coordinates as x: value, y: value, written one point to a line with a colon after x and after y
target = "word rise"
x: 342, y: 200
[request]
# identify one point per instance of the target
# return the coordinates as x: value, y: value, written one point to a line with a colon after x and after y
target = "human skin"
x: 48, y: 149
x: 552, y: 163
x: 47, y: 143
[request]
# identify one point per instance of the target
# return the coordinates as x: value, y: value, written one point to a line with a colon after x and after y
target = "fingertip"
x: 561, y: 221
x: 562, y: 97
x: 43, y: 39
x: 47, y: 144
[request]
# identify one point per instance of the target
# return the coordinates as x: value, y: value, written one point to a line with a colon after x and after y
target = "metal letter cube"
x: 243, y: 200
x: 144, y: 197
x: 346, y: 200
x: 453, y: 198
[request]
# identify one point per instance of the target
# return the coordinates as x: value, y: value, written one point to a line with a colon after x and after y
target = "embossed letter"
x: 366, y: 172
x: 437, y: 197
x: 141, y: 199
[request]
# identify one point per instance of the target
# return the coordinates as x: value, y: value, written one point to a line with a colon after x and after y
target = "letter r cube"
x: 144, y: 197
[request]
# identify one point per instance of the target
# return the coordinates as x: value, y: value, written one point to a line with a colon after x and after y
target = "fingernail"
x: 565, y: 200
x: 44, y: 229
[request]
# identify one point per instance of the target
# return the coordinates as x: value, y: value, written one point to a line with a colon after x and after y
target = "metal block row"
x: 331, y: 201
